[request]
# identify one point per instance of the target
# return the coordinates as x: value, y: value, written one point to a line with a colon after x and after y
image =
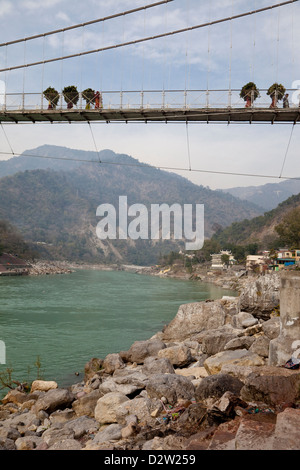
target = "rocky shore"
x: 40, y: 268
x: 203, y: 383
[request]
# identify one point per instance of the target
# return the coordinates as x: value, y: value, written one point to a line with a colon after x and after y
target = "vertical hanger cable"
x: 230, y: 51
x: 277, y: 44
x: 208, y: 50
x: 254, y: 44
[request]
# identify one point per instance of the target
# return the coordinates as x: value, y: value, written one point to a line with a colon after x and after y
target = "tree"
x: 252, y: 248
x: 209, y: 247
x: 239, y: 253
x: 225, y: 259
x: 289, y: 229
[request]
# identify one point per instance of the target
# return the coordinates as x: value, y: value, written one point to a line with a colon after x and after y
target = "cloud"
x: 235, y: 52
x: 5, y: 8
x: 40, y: 4
x: 63, y: 17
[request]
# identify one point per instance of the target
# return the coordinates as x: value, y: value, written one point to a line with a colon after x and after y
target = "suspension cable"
x: 88, y: 23
x: 7, y: 139
x: 150, y: 38
x: 188, y: 144
x: 287, y: 151
x: 146, y: 165
x: 93, y: 137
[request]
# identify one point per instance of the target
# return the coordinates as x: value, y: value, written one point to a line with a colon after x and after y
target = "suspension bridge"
x: 185, y: 105
x: 148, y: 106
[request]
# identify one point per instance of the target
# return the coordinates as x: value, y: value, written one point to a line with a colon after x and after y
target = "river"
x: 60, y: 322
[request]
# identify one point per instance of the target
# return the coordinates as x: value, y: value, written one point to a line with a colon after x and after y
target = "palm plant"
x: 71, y: 95
x: 276, y: 92
x: 52, y: 96
x: 89, y: 96
x: 249, y: 93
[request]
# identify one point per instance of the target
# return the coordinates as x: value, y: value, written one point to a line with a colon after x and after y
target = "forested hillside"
x: 260, y: 230
x: 53, y: 202
x: 11, y: 242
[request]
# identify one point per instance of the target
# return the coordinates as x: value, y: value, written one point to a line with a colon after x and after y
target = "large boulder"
x: 142, y: 349
x: 272, y: 385
x: 171, y: 386
x: 242, y: 342
x: 107, y: 406
x: 106, y: 434
x: 140, y: 408
x: 112, y: 362
x: 271, y: 328
x: 43, y: 386
x: 92, y: 367
x: 241, y: 357
x: 82, y: 425
x: 28, y: 442
x: 158, y: 365
x: 85, y: 405
x: 243, y: 320
x: 215, y: 386
x: 179, y: 355
x: 55, y: 399
x: 261, y: 346
x: 287, y: 344
x: 192, y: 319
x: 214, y: 341
x: 261, y: 296
x: 254, y: 435
x: 287, y: 430
x: 57, y: 433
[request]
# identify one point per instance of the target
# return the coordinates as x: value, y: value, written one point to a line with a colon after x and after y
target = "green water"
x: 65, y: 320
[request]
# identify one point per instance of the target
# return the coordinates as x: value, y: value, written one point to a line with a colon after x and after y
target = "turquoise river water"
x: 65, y: 320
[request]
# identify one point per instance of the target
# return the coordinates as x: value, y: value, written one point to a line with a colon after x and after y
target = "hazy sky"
x: 263, y: 48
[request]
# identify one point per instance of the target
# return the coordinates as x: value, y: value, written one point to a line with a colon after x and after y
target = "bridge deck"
x: 263, y: 115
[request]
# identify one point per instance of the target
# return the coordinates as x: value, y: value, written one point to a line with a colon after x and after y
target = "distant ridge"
x: 53, y: 202
x: 267, y: 196
x: 259, y: 230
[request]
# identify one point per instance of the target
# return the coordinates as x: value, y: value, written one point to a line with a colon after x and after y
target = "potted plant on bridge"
x: 71, y: 96
x: 89, y: 96
x: 276, y: 92
x: 249, y: 93
x: 52, y: 96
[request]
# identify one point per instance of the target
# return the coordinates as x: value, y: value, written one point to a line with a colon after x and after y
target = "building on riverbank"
x: 10, y: 265
x: 217, y: 260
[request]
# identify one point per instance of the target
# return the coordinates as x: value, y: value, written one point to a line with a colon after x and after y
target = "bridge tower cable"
x: 208, y: 53
x: 150, y: 38
x: 254, y: 45
x: 87, y: 23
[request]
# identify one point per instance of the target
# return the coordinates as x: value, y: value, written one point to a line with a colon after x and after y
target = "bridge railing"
x: 146, y: 99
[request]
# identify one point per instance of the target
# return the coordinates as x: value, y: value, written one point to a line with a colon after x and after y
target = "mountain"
x: 11, y: 242
x: 267, y: 196
x: 259, y: 230
x: 52, y: 193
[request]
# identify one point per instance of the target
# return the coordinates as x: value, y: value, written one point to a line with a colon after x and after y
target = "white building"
x: 216, y: 259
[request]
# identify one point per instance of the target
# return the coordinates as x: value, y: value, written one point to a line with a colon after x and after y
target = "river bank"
x: 230, y: 279
x: 202, y: 383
